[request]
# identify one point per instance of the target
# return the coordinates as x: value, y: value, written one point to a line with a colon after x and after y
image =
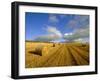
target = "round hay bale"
x: 38, y: 49
x: 53, y: 45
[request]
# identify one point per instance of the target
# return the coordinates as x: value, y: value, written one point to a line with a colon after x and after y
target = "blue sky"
x: 56, y: 27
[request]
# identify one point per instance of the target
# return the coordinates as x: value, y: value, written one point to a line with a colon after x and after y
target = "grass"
x: 40, y: 54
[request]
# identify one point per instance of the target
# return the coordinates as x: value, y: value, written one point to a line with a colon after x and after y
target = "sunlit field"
x: 39, y: 54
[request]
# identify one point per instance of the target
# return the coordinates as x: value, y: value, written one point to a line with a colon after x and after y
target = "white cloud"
x: 78, y: 34
x: 81, y: 18
x: 66, y: 34
x: 52, y: 34
x: 53, y: 18
x: 82, y: 40
x: 54, y: 30
x: 78, y: 21
x: 72, y: 24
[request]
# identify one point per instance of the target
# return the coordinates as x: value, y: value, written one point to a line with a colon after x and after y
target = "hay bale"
x: 38, y: 50
x: 53, y: 45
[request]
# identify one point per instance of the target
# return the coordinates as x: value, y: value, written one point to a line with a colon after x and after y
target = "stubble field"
x: 56, y: 54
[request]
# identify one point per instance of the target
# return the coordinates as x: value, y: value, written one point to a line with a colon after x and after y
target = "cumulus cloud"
x: 80, y: 28
x: 81, y: 18
x: 54, y: 30
x: 80, y: 33
x: 53, y: 18
x: 66, y: 34
x: 49, y: 37
x: 78, y: 21
x: 52, y: 34
x: 72, y: 24
x: 82, y: 40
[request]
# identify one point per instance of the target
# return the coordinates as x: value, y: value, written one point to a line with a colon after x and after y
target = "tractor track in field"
x: 50, y: 58
x: 73, y: 59
x: 82, y: 54
x: 79, y: 59
x: 62, y: 55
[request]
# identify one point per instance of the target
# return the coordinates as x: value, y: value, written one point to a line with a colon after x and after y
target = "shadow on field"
x: 35, y: 53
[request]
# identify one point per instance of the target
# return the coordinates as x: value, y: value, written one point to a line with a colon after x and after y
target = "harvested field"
x: 54, y: 54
